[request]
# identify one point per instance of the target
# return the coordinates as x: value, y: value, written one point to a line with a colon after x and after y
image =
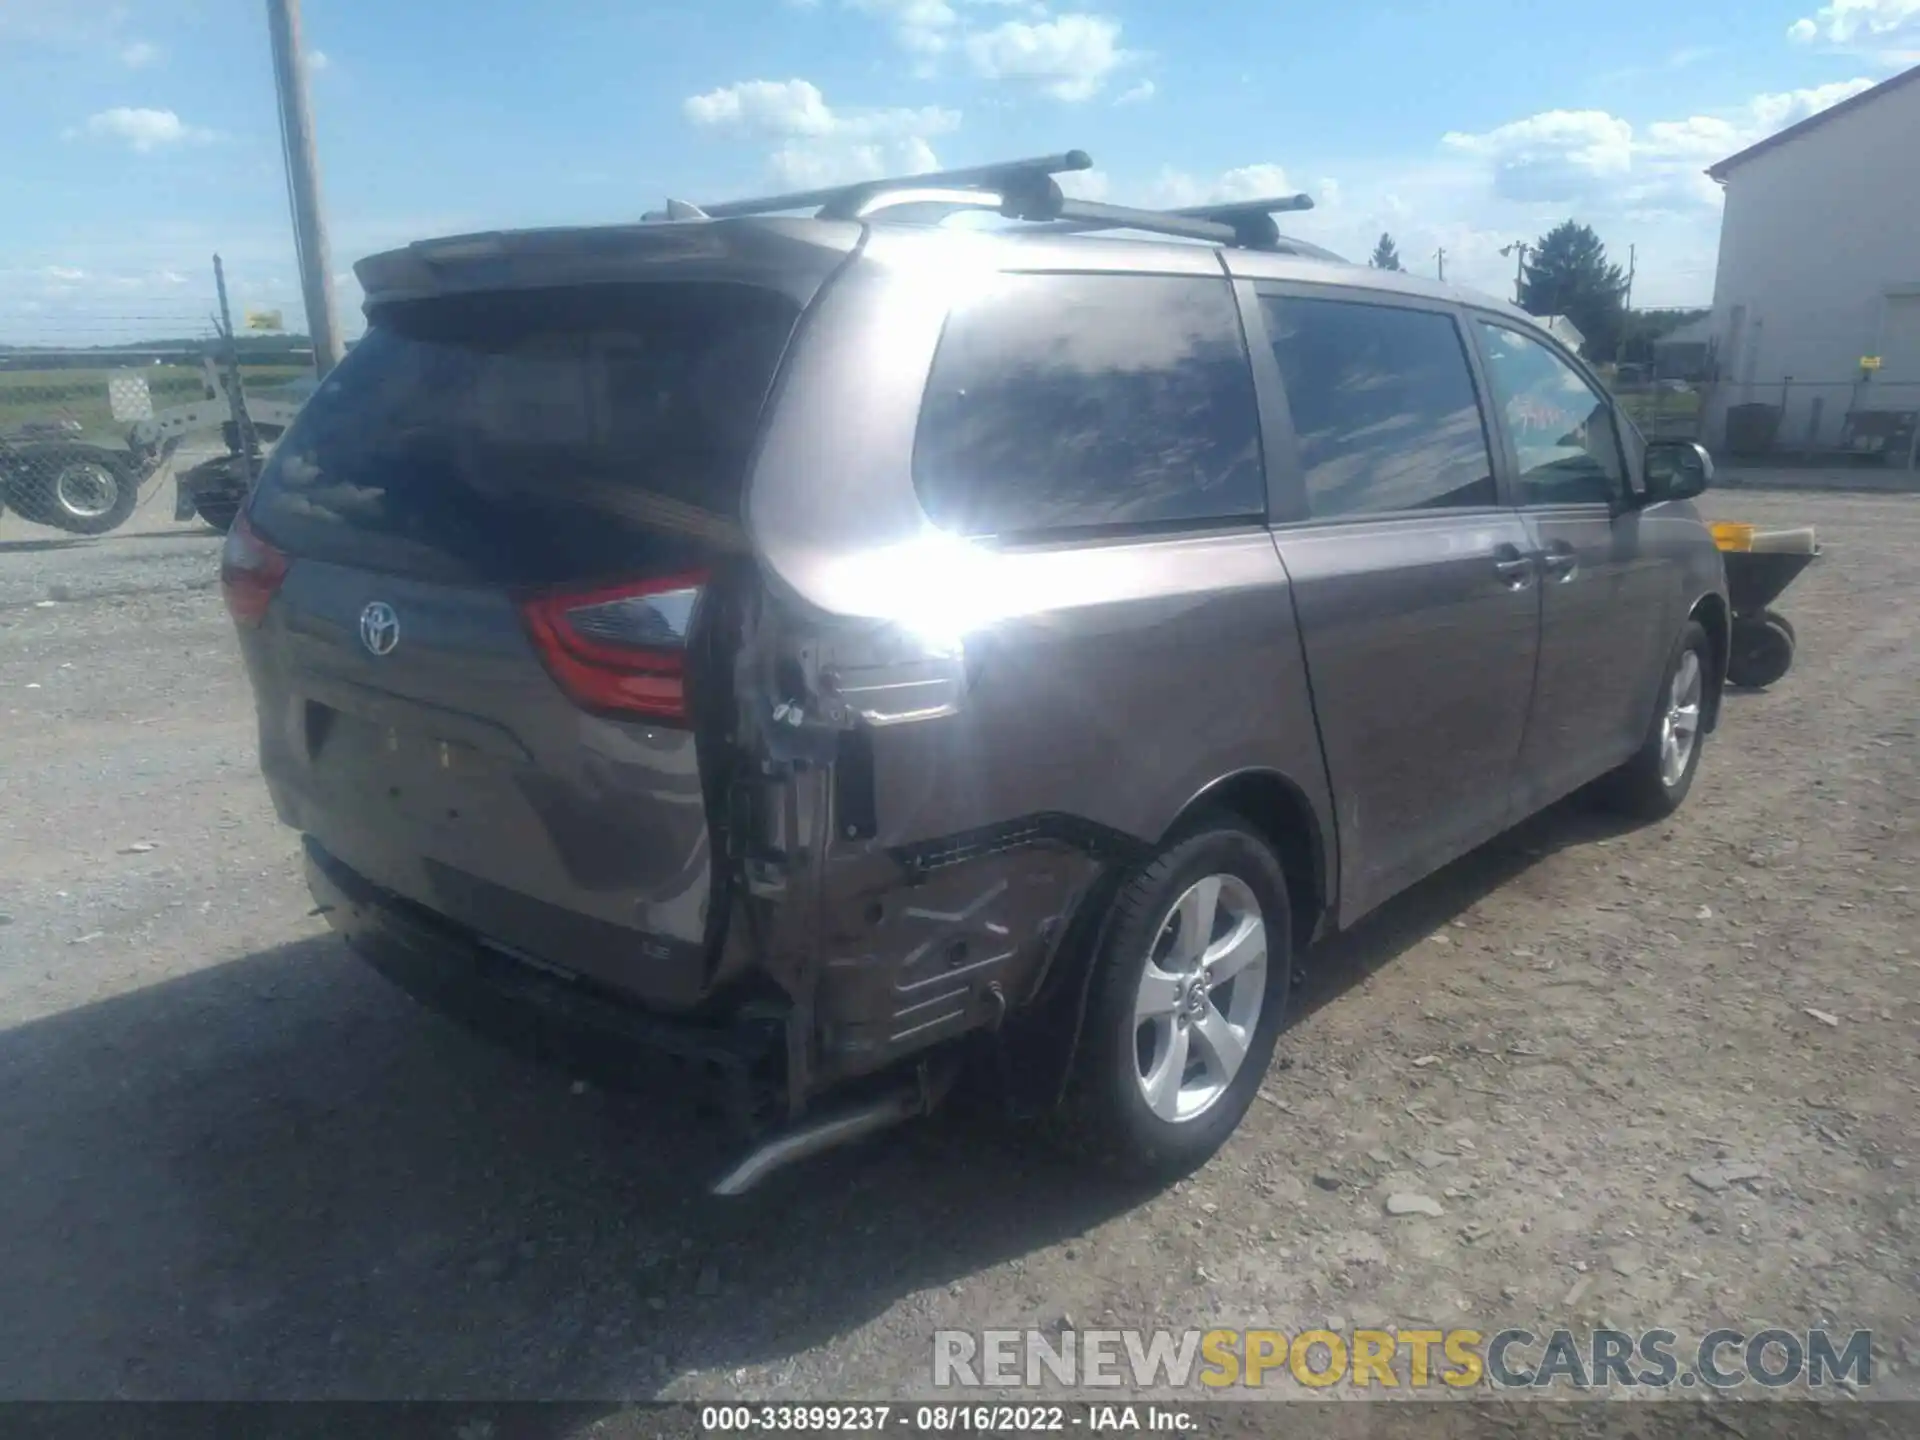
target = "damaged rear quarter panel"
x: 1045, y: 711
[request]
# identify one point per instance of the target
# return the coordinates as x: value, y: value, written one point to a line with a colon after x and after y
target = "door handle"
x: 1514, y: 569
x: 1561, y: 561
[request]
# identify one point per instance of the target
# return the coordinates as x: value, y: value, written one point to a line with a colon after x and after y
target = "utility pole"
x: 236, y: 398
x: 1518, y: 249
x: 1626, y: 307
x: 1440, y: 255
x: 303, y: 182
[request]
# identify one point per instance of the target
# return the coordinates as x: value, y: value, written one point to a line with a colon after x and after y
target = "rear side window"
x: 1383, y: 406
x: 1068, y: 402
x: 533, y: 436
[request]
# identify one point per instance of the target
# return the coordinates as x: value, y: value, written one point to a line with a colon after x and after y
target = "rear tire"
x: 1655, y: 782
x: 1761, y: 652
x: 1189, y: 995
x: 90, y: 495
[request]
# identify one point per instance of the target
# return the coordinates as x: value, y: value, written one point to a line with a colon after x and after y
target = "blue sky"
x: 142, y: 133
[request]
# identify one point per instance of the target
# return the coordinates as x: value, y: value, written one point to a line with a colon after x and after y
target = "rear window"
x: 1074, y: 402
x: 532, y: 437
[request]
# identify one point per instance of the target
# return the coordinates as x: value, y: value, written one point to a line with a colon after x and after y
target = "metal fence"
x: 1856, y: 419
x: 82, y: 447
x: 1851, y: 421
x: 1665, y: 409
x: 74, y: 454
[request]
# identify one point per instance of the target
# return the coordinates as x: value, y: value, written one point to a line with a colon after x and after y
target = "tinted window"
x: 1061, y: 401
x: 1383, y: 406
x: 1562, y: 428
x: 533, y: 436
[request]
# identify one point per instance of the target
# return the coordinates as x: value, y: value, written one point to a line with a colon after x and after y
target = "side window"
x: 1383, y: 406
x: 1060, y: 402
x: 1562, y: 427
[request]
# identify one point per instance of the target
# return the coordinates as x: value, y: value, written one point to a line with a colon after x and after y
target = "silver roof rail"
x: 1021, y: 190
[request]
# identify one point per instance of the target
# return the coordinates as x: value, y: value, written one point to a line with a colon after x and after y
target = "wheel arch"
x: 1278, y: 810
x: 1711, y: 612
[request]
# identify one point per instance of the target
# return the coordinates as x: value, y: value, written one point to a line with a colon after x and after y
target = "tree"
x: 1385, y: 255
x: 1568, y: 273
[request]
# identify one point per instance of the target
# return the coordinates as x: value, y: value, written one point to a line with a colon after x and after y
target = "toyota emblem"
x: 379, y: 628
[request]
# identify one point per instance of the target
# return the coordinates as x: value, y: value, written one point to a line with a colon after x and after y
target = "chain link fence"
x: 1838, y: 422
x: 83, y: 447
x: 74, y: 455
x: 1664, y: 409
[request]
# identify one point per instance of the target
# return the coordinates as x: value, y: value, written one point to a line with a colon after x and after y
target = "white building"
x: 1820, y: 269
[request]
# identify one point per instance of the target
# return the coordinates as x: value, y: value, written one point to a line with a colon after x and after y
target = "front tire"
x: 1654, y: 783
x: 1189, y: 994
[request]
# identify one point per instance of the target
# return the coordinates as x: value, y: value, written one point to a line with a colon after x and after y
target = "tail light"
x: 621, y: 650
x: 250, y: 573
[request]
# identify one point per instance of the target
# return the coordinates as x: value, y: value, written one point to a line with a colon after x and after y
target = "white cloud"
x: 144, y: 130
x: 1592, y: 158
x: 1252, y: 182
x: 1135, y: 94
x: 778, y: 107
x: 317, y: 60
x: 816, y: 144
x: 923, y: 27
x: 1889, y: 26
x: 1774, y: 112
x: 64, y: 274
x: 141, y: 54
x: 1554, y: 155
x: 1068, y: 57
x: 1086, y: 184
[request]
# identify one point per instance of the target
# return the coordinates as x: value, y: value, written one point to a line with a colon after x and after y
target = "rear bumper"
x: 737, y: 1068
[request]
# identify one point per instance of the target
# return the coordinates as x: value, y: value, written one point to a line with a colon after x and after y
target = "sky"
x: 143, y: 135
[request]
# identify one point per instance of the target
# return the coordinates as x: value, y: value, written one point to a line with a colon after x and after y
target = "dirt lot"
x: 234, y: 1164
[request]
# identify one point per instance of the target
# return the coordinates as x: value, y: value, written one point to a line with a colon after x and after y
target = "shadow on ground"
x: 1347, y: 960
x: 276, y: 1177
x: 34, y: 547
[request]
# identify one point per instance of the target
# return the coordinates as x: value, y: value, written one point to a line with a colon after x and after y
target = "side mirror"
x: 1676, y: 470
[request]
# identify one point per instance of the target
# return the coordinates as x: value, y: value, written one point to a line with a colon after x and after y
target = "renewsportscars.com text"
x: 1508, y: 1359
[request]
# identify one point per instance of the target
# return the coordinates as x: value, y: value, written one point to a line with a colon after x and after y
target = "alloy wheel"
x: 1200, y: 997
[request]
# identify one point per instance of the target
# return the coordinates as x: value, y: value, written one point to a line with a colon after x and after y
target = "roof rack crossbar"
x: 1021, y: 190
x: 1098, y: 215
x: 841, y: 201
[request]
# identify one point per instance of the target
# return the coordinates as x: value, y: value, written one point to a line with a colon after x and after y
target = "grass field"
x: 28, y: 395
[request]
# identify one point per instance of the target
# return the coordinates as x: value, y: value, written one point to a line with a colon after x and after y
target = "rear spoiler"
x: 791, y: 256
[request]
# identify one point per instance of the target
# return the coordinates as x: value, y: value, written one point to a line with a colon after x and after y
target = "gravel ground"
x: 235, y: 1164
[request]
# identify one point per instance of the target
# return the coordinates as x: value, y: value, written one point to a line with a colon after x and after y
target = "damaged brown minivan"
x: 818, y: 649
